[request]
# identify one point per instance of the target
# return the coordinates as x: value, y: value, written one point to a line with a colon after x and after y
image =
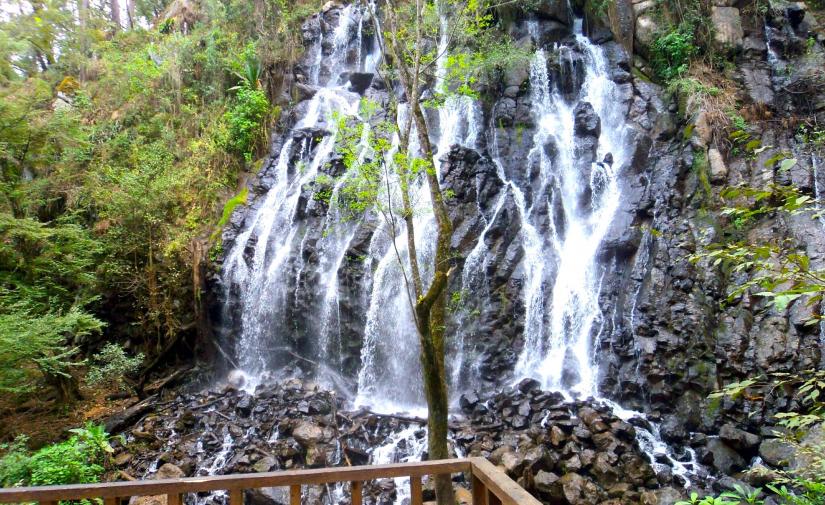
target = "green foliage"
x: 794, y: 491
x: 14, y: 464
x: 65, y: 463
x: 79, y: 460
x: 801, y: 492
x: 246, y: 121
x: 728, y: 498
x: 813, y: 135
x: 239, y: 199
x: 33, y: 346
x: 116, y: 154
x: 671, y: 53
x: 777, y: 273
x: 46, y: 281
x: 111, y: 365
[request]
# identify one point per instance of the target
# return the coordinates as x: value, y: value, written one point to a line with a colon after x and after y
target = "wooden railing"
x: 490, y: 486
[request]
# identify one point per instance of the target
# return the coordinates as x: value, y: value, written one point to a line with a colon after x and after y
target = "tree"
x: 46, y: 280
x: 408, y: 30
x: 114, y: 11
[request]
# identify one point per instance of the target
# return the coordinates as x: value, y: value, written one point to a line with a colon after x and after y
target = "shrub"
x: 14, y: 465
x: 78, y: 460
x: 111, y: 364
x: 69, y: 462
x: 245, y: 120
x: 671, y: 53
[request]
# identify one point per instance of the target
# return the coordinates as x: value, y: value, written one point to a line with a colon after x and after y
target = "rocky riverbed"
x: 574, y: 452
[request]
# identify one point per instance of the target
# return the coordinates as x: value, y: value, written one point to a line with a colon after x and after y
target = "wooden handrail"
x: 490, y: 485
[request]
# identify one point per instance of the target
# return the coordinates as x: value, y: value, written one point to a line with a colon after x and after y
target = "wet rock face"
x: 569, y: 453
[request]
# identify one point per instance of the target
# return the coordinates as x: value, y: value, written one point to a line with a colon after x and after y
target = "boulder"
x: 557, y: 10
x: 265, y: 464
x: 468, y: 400
x: 811, y: 444
x: 167, y: 471
x: 574, y: 489
x: 307, y: 434
x: 727, y: 24
x: 724, y: 458
x: 740, y: 440
x: 360, y: 81
x: 544, y: 481
x: 586, y: 121
x: 646, y: 28
x: 718, y: 169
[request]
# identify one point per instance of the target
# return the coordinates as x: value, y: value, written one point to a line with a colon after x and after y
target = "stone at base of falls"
x: 468, y: 400
x: 307, y: 434
x: 527, y: 385
x: 267, y: 496
x: 722, y: 457
x: 574, y: 489
x: 359, y: 82
x: 740, y: 440
x: 167, y: 471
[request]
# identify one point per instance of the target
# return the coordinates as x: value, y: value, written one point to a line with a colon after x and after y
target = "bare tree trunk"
x: 83, y: 17
x: 66, y: 387
x: 114, y: 6
x: 130, y: 12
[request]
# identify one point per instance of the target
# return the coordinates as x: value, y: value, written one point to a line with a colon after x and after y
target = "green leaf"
x: 787, y: 164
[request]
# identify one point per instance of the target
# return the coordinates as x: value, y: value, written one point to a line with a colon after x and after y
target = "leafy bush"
x: 111, y: 364
x: 14, y: 465
x: 671, y: 53
x: 38, y: 343
x: 78, y: 460
x: 246, y: 121
x: 69, y: 462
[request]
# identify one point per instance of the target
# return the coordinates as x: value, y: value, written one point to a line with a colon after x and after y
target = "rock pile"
x: 563, y: 452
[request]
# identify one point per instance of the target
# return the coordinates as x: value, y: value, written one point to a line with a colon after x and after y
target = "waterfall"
x: 563, y: 313
x: 390, y: 378
x: 258, y: 265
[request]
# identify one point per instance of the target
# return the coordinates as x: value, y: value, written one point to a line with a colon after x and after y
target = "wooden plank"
x: 416, y: 490
x: 492, y: 499
x: 235, y: 497
x: 174, y: 499
x: 245, y: 481
x: 355, y: 491
x: 111, y: 501
x: 498, y: 483
x: 295, y: 494
x: 479, y: 491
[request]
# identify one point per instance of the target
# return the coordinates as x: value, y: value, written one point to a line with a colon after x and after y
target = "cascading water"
x: 273, y: 234
x: 563, y: 312
x: 819, y: 194
x: 566, y: 199
x: 407, y: 444
x: 389, y: 379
